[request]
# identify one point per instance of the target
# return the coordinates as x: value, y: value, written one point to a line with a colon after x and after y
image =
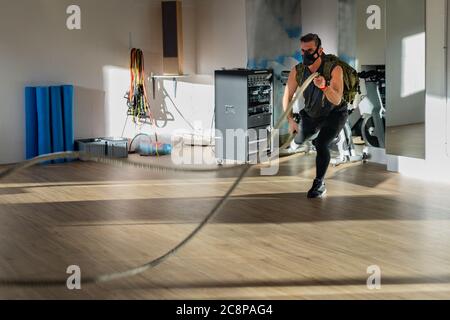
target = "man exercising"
x: 325, y: 110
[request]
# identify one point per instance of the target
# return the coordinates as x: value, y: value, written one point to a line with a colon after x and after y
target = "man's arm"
x: 335, y: 91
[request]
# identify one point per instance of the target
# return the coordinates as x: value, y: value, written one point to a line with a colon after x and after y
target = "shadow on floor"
x: 386, y: 280
x: 364, y: 175
x: 249, y: 209
x: 425, y: 280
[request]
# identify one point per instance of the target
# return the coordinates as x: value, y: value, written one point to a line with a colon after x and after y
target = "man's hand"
x: 335, y: 91
x: 293, y: 126
x: 320, y: 82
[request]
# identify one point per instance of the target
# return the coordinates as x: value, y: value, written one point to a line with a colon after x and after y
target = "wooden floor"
x: 269, y: 242
x: 406, y: 141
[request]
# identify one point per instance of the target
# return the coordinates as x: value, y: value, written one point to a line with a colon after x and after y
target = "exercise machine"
x: 370, y: 122
x: 243, y: 104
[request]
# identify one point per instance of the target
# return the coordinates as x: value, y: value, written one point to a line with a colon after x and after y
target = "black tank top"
x: 316, y: 104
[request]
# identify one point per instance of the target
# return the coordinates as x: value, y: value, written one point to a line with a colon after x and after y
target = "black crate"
x: 104, y: 147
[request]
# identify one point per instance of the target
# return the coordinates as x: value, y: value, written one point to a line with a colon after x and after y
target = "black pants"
x: 328, y: 128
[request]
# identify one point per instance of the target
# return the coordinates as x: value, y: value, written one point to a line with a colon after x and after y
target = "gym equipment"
x: 156, y: 262
x: 346, y: 149
x: 196, y: 139
x: 137, y: 98
x: 366, y: 119
x: 49, y: 120
x: 154, y: 149
x: 372, y: 106
x: 31, y: 123
x: 284, y: 77
x: 244, y: 101
x: 57, y: 121
x: 343, y: 145
x: 43, y: 117
x: 147, y: 147
x: 104, y: 147
x: 69, y: 135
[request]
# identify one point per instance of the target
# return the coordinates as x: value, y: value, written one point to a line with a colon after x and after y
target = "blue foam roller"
x: 57, y: 121
x: 43, y: 117
x: 68, y: 96
x: 31, y: 123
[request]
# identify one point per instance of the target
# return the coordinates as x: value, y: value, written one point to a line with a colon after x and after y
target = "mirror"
x: 405, y: 78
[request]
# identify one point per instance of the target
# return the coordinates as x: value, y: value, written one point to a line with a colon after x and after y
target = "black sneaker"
x: 318, y: 190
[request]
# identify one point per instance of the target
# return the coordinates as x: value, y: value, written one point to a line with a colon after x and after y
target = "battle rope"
x: 156, y: 262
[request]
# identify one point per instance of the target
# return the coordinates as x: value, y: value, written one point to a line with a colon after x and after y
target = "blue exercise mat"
x: 69, y: 136
x: 57, y: 121
x: 49, y: 120
x: 43, y: 116
x: 31, y: 123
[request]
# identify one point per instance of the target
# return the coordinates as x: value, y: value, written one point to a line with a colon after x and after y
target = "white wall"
x: 436, y: 107
x: 221, y: 35
x: 37, y: 49
x: 356, y: 40
x: 370, y: 44
x: 405, y: 62
x: 321, y: 17
x: 447, y: 111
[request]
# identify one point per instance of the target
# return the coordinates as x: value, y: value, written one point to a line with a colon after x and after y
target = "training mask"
x: 309, y: 59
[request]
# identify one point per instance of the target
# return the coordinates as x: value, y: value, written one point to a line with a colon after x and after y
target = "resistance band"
x: 138, y: 102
